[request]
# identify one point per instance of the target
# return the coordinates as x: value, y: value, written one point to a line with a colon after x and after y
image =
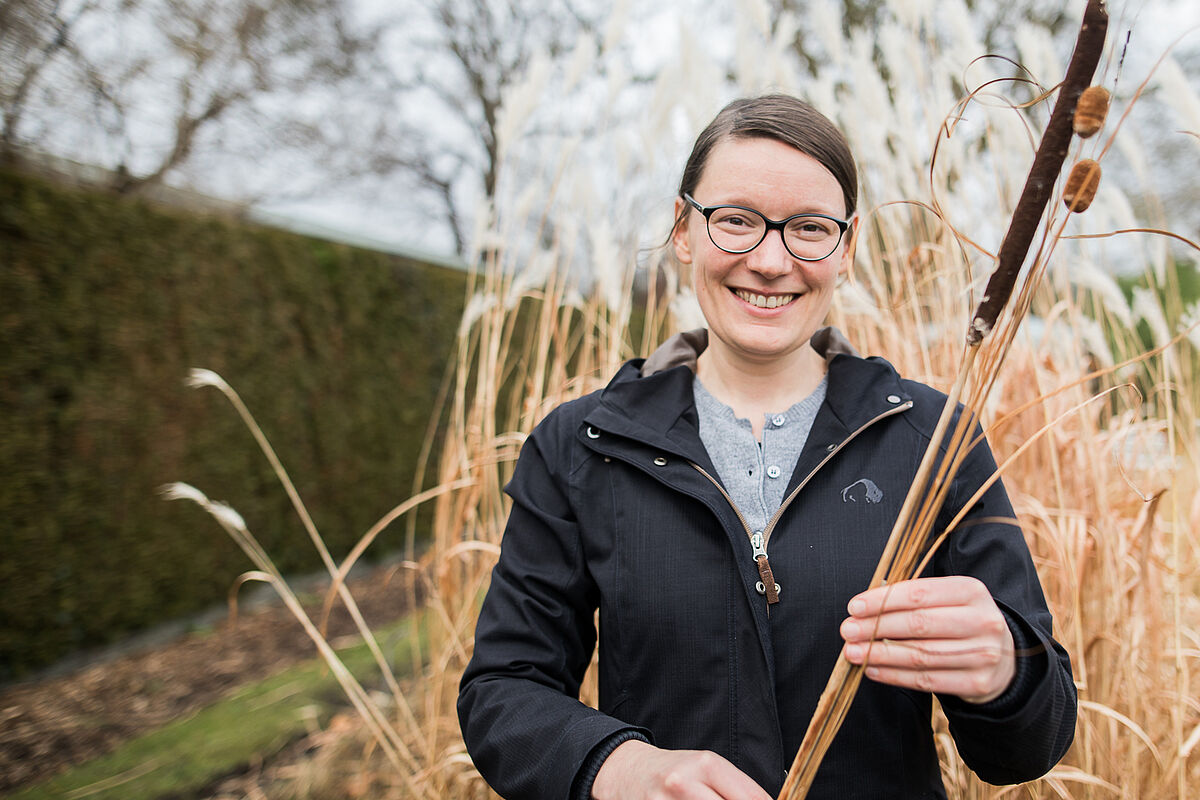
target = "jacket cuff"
x: 1032, y: 662
x: 581, y: 789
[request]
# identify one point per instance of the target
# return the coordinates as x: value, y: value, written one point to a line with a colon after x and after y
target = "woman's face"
x: 764, y: 304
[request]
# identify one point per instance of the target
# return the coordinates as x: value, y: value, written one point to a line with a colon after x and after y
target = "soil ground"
x: 59, y: 720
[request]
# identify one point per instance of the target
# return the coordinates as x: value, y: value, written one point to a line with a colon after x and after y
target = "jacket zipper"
x: 759, y: 539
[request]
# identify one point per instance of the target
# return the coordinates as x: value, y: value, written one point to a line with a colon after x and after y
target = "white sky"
x: 373, y: 218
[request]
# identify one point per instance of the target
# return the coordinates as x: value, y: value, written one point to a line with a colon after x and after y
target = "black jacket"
x: 611, y: 512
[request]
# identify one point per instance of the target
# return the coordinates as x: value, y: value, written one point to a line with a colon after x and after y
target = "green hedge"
x: 105, y: 305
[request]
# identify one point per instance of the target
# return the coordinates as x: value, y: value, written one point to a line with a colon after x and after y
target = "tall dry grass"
x: 1104, y: 433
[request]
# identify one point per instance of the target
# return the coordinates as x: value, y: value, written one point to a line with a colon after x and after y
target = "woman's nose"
x: 770, y: 259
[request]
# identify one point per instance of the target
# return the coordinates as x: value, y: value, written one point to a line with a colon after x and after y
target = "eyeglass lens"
x: 738, y: 230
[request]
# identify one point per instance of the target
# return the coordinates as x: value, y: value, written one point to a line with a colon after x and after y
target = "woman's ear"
x: 679, y: 234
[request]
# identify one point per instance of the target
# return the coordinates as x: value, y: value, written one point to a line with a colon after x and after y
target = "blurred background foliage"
x: 106, y: 303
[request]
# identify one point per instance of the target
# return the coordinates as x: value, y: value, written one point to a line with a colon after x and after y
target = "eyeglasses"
x: 738, y: 229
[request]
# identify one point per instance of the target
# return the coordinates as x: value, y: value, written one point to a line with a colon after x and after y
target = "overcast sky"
x: 1155, y: 25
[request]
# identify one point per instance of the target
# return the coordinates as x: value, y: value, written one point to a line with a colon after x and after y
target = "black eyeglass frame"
x: 771, y: 225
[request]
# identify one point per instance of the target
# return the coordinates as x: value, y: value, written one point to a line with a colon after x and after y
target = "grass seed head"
x: 183, y: 491
x: 1091, y: 110
x: 1081, y: 185
x: 198, y: 378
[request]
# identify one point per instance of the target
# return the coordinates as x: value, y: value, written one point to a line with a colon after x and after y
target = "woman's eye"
x: 735, y: 221
x: 812, y: 228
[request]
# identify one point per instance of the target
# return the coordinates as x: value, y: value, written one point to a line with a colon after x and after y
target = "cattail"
x: 1081, y: 185
x: 1047, y: 163
x: 1091, y: 111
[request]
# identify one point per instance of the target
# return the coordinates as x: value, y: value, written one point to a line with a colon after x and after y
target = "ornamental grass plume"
x: 403, y: 745
x: 389, y: 741
x: 199, y: 378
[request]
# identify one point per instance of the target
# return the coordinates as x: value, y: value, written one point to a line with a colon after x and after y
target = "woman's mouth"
x: 764, y: 300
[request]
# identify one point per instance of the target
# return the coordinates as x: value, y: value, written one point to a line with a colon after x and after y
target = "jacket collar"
x: 683, y: 349
x: 651, y: 400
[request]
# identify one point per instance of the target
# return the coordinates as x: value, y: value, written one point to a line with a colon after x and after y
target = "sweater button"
x: 773, y: 471
x: 778, y: 420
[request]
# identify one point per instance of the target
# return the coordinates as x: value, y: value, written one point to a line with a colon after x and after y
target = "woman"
x: 724, y: 504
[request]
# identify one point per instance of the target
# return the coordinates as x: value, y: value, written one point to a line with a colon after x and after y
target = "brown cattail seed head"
x: 1091, y: 110
x: 1081, y: 185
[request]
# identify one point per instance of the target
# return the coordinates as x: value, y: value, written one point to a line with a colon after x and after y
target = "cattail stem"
x: 1047, y: 164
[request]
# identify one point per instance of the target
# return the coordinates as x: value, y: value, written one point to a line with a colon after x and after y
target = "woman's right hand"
x: 637, y: 770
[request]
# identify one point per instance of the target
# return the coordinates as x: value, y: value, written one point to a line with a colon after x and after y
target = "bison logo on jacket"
x: 862, y: 489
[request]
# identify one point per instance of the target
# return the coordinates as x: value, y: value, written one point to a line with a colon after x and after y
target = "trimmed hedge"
x: 105, y: 305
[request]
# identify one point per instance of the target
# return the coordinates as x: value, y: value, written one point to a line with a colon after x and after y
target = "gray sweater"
x: 755, y: 474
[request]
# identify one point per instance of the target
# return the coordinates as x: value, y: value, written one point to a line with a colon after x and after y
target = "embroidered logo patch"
x: 864, y: 490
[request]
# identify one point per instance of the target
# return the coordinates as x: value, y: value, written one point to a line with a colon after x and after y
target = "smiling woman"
x: 764, y: 303
x: 707, y: 504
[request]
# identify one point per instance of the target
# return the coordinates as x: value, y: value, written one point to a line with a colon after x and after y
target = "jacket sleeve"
x: 1022, y: 734
x: 518, y: 705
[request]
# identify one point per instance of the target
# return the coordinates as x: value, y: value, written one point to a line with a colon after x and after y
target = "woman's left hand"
x: 942, y: 635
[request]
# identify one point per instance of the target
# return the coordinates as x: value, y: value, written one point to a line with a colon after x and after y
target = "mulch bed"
x: 48, y: 725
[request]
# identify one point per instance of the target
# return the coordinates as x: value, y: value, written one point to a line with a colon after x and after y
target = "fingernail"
x: 854, y: 652
x: 857, y: 606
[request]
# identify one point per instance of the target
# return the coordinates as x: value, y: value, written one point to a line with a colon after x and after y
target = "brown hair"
x: 785, y: 119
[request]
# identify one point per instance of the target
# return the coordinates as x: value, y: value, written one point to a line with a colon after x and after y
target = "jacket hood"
x: 683, y: 349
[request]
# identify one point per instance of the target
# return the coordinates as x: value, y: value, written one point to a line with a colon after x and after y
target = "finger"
x: 971, y: 685
x: 928, y: 654
x: 729, y: 782
x: 952, y: 590
x: 941, y: 622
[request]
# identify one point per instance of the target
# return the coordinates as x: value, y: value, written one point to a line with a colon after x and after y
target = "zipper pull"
x: 766, y: 584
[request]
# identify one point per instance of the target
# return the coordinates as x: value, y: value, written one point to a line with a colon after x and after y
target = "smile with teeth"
x: 765, y: 301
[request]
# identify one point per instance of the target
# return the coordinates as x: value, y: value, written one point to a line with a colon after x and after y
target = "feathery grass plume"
x: 403, y: 742
x: 199, y: 378
x: 389, y: 741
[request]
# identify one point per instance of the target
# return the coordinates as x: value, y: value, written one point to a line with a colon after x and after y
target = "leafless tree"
x: 150, y: 79
x: 454, y: 61
x: 34, y: 34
